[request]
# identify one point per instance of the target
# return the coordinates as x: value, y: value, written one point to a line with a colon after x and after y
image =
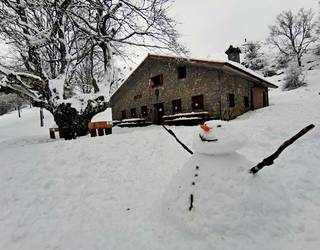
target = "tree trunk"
x: 299, y: 61
x: 70, y: 122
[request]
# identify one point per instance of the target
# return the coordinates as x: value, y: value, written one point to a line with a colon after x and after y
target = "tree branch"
x: 270, y: 160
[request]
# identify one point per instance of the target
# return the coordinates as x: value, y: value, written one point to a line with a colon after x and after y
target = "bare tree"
x: 64, y: 50
x: 317, y: 48
x: 292, y: 34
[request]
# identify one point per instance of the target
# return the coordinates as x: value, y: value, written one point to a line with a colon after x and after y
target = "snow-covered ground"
x: 109, y: 192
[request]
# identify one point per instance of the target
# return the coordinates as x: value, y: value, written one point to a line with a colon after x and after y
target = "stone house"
x: 164, y: 85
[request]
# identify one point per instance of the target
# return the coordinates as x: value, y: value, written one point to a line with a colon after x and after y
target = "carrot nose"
x: 205, y: 128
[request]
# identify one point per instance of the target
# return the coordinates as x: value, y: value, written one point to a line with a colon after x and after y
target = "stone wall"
x: 241, y: 88
x: 211, y: 81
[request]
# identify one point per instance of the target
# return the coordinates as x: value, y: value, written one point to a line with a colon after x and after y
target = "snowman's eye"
x: 219, y: 126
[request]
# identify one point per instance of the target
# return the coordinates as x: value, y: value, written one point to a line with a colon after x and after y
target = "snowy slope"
x: 108, y: 192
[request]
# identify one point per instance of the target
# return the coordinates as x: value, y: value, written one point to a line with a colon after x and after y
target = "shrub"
x: 294, y: 77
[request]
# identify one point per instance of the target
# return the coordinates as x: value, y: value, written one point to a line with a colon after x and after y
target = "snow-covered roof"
x: 221, y: 61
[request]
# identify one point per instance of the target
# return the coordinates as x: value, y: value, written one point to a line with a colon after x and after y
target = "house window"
x: 156, y: 81
x: 231, y: 100
x: 197, y: 102
x: 246, y: 101
x: 133, y: 112
x: 123, y: 114
x: 144, y: 110
x: 176, y: 106
x: 182, y: 72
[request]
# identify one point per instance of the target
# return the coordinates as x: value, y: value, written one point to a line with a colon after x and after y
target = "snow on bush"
x: 294, y: 77
x: 253, y: 56
x: 282, y: 61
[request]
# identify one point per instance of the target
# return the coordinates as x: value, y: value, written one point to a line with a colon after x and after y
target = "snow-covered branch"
x: 292, y: 34
x: 67, y: 49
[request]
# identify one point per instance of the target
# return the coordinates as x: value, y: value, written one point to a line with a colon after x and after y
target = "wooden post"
x: 41, y: 117
x: 60, y: 133
x: 108, y: 131
x: 19, y: 114
x: 100, y: 132
x: 52, y: 133
x: 93, y: 132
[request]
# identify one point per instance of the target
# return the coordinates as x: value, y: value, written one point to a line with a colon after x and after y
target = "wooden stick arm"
x: 180, y: 142
x: 270, y: 160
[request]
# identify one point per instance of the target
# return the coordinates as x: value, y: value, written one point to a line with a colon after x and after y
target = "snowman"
x: 214, y: 195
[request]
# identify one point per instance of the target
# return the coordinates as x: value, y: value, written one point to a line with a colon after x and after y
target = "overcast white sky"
x: 210, y: 26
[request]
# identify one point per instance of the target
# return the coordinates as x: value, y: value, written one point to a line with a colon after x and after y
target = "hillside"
x: 108, y: 192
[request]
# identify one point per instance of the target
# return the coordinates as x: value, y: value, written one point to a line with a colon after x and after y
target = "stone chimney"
x: 233, y: 54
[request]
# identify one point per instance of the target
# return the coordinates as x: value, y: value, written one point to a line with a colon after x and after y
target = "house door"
x: 259, y: 97
x: 265, y: 99
x: 158, y: 112
x: 251, y: 99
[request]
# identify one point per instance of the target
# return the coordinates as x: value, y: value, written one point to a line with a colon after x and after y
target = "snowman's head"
x: 217, y: 138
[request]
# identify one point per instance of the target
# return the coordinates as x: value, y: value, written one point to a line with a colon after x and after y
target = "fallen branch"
x: 173, y: 134
x: 270, y: 160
